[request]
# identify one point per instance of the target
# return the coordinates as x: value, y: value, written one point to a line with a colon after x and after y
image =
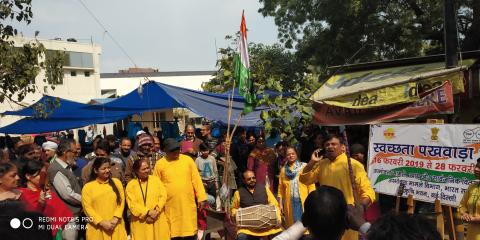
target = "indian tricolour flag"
x: 242, y: 70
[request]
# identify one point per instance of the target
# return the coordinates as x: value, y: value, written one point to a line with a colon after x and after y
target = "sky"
x: 169, y: 35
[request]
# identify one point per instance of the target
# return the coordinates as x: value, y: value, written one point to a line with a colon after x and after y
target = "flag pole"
x: 226, y: 168
x: 229, y: 136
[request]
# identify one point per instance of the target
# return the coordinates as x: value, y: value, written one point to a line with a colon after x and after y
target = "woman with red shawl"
x: 38, y: 198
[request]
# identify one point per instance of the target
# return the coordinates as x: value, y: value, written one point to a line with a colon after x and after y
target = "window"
x: 87, y: 74
x: 73, y: 73
x: 78, y: 59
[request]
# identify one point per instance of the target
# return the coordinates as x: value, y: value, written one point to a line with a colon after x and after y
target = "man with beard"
x: 124, y: 151
x: 145, y: 150
x: 25, y: 152
x: 49, y: 148
x: 250, y: 195
x: 190, y: 145
x: 64, y: 182
x: 333, y: 170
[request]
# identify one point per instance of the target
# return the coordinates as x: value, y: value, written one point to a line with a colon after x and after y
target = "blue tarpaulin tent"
x: 58, y: 108
x: 150, y: 96
x: 42, y: 125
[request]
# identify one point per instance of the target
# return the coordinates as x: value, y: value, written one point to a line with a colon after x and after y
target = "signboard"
x: 433, y: 161
x: 437, y: 101
x: 427, y: 75
x: 396, y: 94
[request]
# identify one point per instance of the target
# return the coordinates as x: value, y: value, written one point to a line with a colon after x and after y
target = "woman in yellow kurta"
x: 469, y: 207
x: 103, y: 201
x: 291, y: 192
x: 183, y: 184
x: 146, y: 198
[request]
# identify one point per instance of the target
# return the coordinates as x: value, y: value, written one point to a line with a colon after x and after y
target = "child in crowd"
x: 207, y: 167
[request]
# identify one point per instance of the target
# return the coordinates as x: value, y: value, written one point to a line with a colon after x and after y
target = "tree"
x: 266, y: 63
x: 19, y: 65
x: 330, y: 32
x: 274, y: 68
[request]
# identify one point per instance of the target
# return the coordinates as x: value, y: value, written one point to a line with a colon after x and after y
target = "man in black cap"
x: 183, y: 184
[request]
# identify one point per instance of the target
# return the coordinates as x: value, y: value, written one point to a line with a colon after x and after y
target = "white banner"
x: 431, y: 160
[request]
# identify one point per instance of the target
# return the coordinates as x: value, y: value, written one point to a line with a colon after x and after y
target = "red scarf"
x: 54, y: 208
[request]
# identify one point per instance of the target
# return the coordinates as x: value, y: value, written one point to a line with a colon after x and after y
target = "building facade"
x: 81, y: 80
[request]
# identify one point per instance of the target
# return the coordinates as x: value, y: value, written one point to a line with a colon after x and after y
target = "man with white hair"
x: 50, y: 149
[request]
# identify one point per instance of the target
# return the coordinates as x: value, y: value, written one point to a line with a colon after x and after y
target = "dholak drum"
x: 257, y: 217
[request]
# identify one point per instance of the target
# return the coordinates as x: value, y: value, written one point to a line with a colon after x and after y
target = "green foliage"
x: 267, y: 63
x: 19, y: 65
x: 288, y: 114
x: 330, y: 32
x: 273, y: 68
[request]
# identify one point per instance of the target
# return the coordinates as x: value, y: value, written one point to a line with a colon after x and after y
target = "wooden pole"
x: 400, y: 191
x: 397, y: 204
x: 226, y: 168
x: 438, y: 206
x: 350, y: 169
x: 452, y: 235
x: 410, y: 204
x: 439, y: 217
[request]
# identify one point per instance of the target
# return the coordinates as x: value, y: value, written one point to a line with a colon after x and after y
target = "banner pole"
x: 350, y: 168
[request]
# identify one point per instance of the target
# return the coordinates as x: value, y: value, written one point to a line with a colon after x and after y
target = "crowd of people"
x: 153, y: 188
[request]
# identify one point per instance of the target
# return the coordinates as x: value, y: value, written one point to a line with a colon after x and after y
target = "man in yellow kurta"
x: 333, y: 171
x: 251, y: 195
x: 183, y: 184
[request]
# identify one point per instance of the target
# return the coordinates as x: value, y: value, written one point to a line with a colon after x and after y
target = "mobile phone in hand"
x: 319, y: 153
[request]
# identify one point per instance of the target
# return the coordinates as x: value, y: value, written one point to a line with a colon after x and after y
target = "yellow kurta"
x: 471, y: 204
x: 183, y: 183
x: 271, y: 201
x: 99, y: 203
x: 156, y: 196
x: 335, y: 174
x: 284, y: 185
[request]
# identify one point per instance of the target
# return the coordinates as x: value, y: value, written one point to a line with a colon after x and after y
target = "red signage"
x: 436, y: 101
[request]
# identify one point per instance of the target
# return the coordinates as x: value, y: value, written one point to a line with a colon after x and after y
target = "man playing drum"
x: 253, y: 194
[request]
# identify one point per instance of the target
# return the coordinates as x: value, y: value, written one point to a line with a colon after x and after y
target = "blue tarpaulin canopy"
x: 150, y: 96
x: 58, y: 108
x: 42, y: 125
